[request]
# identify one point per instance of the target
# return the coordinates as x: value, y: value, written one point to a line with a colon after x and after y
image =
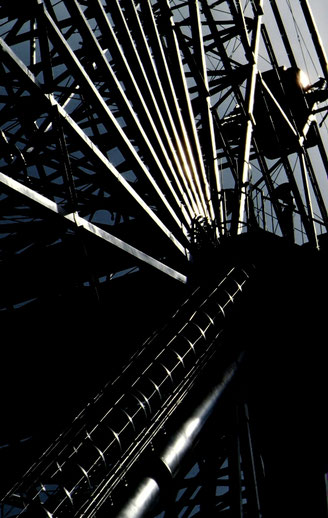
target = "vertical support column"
x: 249, y: 466
x: 235, y: 471
x: 251, y: 84
x: 313, y: 234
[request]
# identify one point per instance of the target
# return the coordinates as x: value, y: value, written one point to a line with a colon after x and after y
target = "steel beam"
x: 182, y: 100
x: 148, y: 491
x: 117, y: 427
x: 283, y: 32
x: 151, y: 141
x: 74, y: 218
x: 49, y: 101
x: 109, y: 119
x: 244, y: 157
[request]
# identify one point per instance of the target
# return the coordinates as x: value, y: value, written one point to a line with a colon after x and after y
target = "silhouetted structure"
x: 163, y: 241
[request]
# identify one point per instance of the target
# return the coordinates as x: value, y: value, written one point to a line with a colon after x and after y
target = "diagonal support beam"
x: 31, y: 84
x: 178, y: 88
x: 148, y: 132
x: 109, y: 118
x: 74, y: 218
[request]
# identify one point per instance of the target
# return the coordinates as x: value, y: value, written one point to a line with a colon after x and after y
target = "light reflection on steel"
x: 147, y: 493
x: 84, y: 466
x: 129, y: 124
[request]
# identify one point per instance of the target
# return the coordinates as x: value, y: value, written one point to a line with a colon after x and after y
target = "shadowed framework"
x: 150, y: 149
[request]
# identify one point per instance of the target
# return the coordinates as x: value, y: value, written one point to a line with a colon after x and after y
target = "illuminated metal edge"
x: 304, y: 211
x: 90, y: 227
x: 172, y: 456
x: 152, y: 83
x: 130, y: 412
x: 192, y: 143
x: 250, y: 97
x: 27, y: 75
x: 58, y: 37
x: 70, y: 215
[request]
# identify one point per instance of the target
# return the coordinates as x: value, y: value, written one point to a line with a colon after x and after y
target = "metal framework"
x: 151, y: 151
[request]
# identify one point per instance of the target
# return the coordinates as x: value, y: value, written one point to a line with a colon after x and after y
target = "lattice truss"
x: 115, y: 441
x: 136, y: 123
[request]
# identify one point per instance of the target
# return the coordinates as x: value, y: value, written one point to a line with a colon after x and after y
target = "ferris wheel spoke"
x: 139, y: 37
x: 79, y: 222
x: 202, y: 109
x: 109, y: 118
x: 140, y: 116
x: 174, y: 77
x: 93, y: 151
x: 138, y: 140
x: 182, y: 139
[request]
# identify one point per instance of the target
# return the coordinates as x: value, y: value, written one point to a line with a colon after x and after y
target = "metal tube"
x: 251, y: 84
x: 148, y: 491
x: 181, y: 94
x: 32, y: 83
x: 213, y: 183
x: 184, y: 439
x: 145, y: 496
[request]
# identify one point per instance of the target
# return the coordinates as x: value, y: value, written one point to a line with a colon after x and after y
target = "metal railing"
x: 261, y: 215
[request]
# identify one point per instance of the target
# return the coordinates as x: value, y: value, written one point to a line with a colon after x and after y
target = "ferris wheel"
x: 138, y: 140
